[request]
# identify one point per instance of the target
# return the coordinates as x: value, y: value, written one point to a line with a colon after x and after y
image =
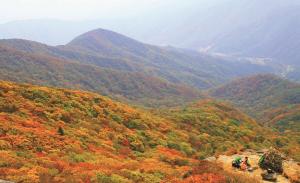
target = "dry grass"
x: 216, y: 175
x: 232, y: 177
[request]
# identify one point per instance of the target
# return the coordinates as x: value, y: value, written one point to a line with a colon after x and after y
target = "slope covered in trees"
x: 126, y: 86
x: 109, y: 49
x: 214, y: 127
x: 62, y: 135
x: 273, y: 101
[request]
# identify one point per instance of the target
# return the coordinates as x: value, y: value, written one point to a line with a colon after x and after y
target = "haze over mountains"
x: 228, y: 27
x: 119, y: 62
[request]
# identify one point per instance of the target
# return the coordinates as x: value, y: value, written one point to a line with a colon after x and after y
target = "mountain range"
x: 116, y: 65
x: 227, y: 27
x: 130, y: 71
x: 141, y: 74
x: 50, y: 71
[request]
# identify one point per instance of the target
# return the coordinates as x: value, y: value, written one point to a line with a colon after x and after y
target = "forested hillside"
x: 272, y: 101
x: 126, y: 86
x: 107, y: 49
x: 62, y: 135
x: 215, y: 126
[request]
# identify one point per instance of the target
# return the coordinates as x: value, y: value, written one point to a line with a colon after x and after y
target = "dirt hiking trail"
x: 291, y: 169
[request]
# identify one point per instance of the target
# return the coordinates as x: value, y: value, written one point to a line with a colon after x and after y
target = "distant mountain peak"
x: 97, y: 34
x: 105, y: 40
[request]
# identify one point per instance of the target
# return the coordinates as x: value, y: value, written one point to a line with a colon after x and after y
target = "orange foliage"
x: 100, y: 137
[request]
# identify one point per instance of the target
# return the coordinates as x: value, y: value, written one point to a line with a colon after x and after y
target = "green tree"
x: 61, y: 131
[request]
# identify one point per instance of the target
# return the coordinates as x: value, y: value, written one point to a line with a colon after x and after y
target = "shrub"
x: 187, y: 149
x: 137, y: 176
x: 4, y: 145
x: 281, y: 142
x: 106, y: 112
x: 259, y: 139
x: 116, y: 118
x: 136, y: 144
x: 183, y: 147
x: 173, y: 145
x: 79, y: 158
x: 97, y: 100
x: 103, y: 178
x: 24, y: 154
x: 235, y: 122
x: 93, y: 113
x: 8, y: 108
x: 136, y: 124
x: 66, y: 117
x: 202, y: 154
x: 39, y: 149
x: 181, y: 162
x: 271, y: 160
x: 36, y: 95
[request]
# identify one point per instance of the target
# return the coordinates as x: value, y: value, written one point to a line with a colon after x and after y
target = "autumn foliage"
x: 59, y: 135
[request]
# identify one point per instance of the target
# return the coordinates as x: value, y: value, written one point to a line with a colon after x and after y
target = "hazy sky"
x: 11, y: 10
x: 69, y: 9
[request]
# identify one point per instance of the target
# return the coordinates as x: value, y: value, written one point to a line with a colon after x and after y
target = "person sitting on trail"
x: 237, y: 162
x: 246, y: 161
x: 245, y: 164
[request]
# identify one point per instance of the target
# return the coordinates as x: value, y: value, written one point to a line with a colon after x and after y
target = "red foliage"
x: 169, y: 152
